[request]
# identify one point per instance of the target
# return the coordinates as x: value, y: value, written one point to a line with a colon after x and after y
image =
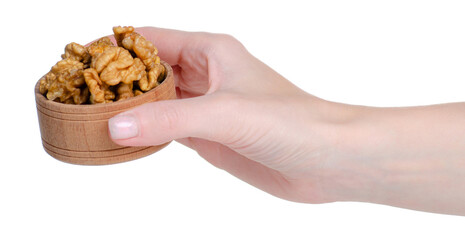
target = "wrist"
x: 374, y: 148
x: 356, y: 171
x: 408, y: 157
x: 350, y: 172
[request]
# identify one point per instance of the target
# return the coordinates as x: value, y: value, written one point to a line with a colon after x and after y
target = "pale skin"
x: 245, y: 118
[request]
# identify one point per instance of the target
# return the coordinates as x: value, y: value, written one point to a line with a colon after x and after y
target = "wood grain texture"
x: 78, y: 134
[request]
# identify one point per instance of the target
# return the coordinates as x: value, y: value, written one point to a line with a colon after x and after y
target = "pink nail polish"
x: 123, y: 127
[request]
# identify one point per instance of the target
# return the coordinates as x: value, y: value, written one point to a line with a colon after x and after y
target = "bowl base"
x: 112, y: 156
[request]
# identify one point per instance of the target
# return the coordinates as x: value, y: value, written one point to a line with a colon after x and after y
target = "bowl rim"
x: 43, y: 102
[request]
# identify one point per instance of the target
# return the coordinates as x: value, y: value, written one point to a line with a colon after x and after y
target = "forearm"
x: 410, y: 157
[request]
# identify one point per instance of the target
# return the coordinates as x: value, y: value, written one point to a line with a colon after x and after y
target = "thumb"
x: 155, y: 123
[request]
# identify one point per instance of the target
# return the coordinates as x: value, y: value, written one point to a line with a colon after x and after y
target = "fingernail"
x: 123, y: 126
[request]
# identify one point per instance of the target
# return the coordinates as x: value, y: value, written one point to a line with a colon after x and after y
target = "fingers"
x: 170, y: 43
x: 174, y: 46
x: 184, y: 48
x: 195, y: 57
x: 207, y: 117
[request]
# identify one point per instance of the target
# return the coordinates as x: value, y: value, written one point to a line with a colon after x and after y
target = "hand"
x: 237, y: 113
x: 245, y: 118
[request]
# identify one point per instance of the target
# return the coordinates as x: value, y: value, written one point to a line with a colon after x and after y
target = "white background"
x: 378, y: 53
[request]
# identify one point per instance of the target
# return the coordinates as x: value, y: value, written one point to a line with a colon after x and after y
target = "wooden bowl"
x: 79, y: 134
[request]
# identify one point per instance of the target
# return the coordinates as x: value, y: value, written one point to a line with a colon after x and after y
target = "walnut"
x: 124, y: 91
x: 103, y: 72
x: 100, y: 92
x: 143, y: 49
x: 81, y: 95
x: 76, y: 52
x: 155, y: 74
x: 146, y: 51
x: 121, y: 32
x: 138, y: 92
x: 116, y: 55
x: 62, y: 80
x: 116, y: 65
x: 99, y: 46
x: 133, y: 73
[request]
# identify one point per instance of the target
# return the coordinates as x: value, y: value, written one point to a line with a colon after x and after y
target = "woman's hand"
x: 245, y: 118
x: 238, y: 114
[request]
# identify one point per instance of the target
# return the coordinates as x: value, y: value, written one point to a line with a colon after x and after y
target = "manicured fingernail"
x: 123, y: 126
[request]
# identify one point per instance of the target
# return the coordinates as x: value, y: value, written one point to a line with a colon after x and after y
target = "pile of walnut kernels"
x: 103, y: 72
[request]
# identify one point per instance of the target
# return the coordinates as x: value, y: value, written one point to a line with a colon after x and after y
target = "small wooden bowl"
x: 79, y: 134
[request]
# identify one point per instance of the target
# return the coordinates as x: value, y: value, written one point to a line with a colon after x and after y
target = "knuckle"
x: 221, y: 41
x: 228, y: 40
